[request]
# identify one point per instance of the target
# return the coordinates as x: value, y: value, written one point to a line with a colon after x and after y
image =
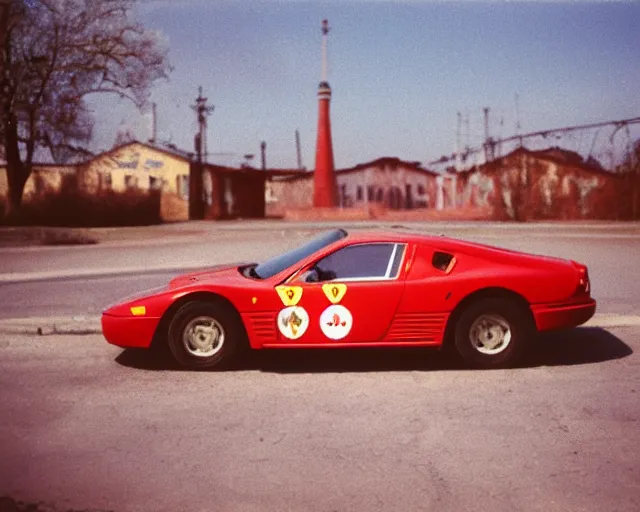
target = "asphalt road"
x: 611, y: 264
x: 86, y: 426
x: 73, y: 297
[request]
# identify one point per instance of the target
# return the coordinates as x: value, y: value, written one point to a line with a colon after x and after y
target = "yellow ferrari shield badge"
x: 334, y: 291
x: 289, y: 295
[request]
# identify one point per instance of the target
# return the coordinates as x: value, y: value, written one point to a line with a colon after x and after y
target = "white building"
x: 387, y: 181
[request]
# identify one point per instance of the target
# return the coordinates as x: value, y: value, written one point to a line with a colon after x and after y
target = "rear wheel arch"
x: 160, y: 336
x: 483, y: 294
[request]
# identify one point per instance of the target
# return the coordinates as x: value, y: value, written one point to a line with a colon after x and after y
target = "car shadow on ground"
x: 563, y: 348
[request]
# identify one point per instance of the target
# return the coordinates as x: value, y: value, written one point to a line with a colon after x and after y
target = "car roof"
x: 438, y: 242
x: 448, y: 244
x: 390, y: 236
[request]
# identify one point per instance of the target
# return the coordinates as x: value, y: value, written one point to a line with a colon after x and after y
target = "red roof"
x: 556, y: 155
x: 389, y: 160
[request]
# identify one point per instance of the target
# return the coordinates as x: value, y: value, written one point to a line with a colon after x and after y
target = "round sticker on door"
x: 336, y: 322
x: 293, y: 322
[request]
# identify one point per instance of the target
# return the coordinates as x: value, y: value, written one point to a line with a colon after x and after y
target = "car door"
x: 349, y: 296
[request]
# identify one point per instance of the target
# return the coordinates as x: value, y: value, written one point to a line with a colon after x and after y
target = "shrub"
x: 73, y: 208
x: 66, y: 237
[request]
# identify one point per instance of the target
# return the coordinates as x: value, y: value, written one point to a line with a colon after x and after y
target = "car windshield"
x: 277, y: 264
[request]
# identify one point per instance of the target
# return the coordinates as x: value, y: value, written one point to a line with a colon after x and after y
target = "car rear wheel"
x: 492, y: 333
x: 204, y: 335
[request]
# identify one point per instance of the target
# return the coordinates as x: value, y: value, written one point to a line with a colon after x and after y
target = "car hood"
x: 209, y: 274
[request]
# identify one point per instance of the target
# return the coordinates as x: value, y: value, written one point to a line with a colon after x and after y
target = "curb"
x: 84, y: 325
x: 611, y: 320
x: 77, y: 325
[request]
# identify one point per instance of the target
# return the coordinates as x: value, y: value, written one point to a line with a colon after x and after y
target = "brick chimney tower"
x: 325, y: 188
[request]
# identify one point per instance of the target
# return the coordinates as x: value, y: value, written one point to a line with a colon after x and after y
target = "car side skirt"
x: 352, y: 345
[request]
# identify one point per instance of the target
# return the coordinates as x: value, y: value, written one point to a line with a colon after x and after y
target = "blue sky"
x: 400, y: 72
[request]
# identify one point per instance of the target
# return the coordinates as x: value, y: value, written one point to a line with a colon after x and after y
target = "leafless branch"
x: 58, y: 53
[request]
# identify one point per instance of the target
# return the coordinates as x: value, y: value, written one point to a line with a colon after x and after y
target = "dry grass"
x: 27, y: 235
x: 73, y: 208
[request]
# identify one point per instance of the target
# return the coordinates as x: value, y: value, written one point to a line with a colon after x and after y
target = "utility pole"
x: 202, y: 111
x: 154, y: 123
x: 518, y: 119
x: 633, y: 169
x: 468, y: 126
x: 298, y: 150
x: 486, y: 133
x: 196, y: 186
x: 488, y: 141
x: 459, y: 143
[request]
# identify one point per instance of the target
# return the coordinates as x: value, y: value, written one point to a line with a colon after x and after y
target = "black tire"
x: 224, y: 319
x: 479, y: 329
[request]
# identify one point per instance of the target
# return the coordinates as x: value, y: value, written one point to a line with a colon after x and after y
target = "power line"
x: 621, y: 123
x: 618, y: 124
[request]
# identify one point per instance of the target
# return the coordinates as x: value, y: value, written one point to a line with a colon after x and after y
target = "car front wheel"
x: 492, y: 333
x: 204, y: 335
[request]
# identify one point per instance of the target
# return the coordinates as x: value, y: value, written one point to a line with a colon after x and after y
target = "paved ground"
x: 73, y: 296
x: 177, y: 246
x: 86, y: 426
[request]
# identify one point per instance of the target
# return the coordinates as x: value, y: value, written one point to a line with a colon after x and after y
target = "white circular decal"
x: 293, y: 322
x: 336, y: 322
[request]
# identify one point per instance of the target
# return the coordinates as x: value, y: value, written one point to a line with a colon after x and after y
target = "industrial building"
x: 229, y: 192
x: 387, y: 182
x: 521, y: 184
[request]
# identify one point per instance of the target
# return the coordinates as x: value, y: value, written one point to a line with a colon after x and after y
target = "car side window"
x: 362, y: 261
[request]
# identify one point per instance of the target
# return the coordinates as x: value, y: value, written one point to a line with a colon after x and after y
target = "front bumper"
x: 563, y: 315
x: 129, y: 331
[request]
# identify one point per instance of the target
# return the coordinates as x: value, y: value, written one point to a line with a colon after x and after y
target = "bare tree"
x: 54, y: 53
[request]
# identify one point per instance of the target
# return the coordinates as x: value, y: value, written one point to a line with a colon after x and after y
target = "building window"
x: 183, y: 186
x: 130, y: 181
x: 359, y: 193
x: 105, y: 181
x: 408, y: 197
x: 38, y: 183
x: 380, y: 195
x: 394, y: 198
x: 155, y: 183
x: 69, y: 182
x: 422, y: 199
x: 371, y: 192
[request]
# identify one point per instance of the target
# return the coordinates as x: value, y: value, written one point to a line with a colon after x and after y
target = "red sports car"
x: 361, y: 289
